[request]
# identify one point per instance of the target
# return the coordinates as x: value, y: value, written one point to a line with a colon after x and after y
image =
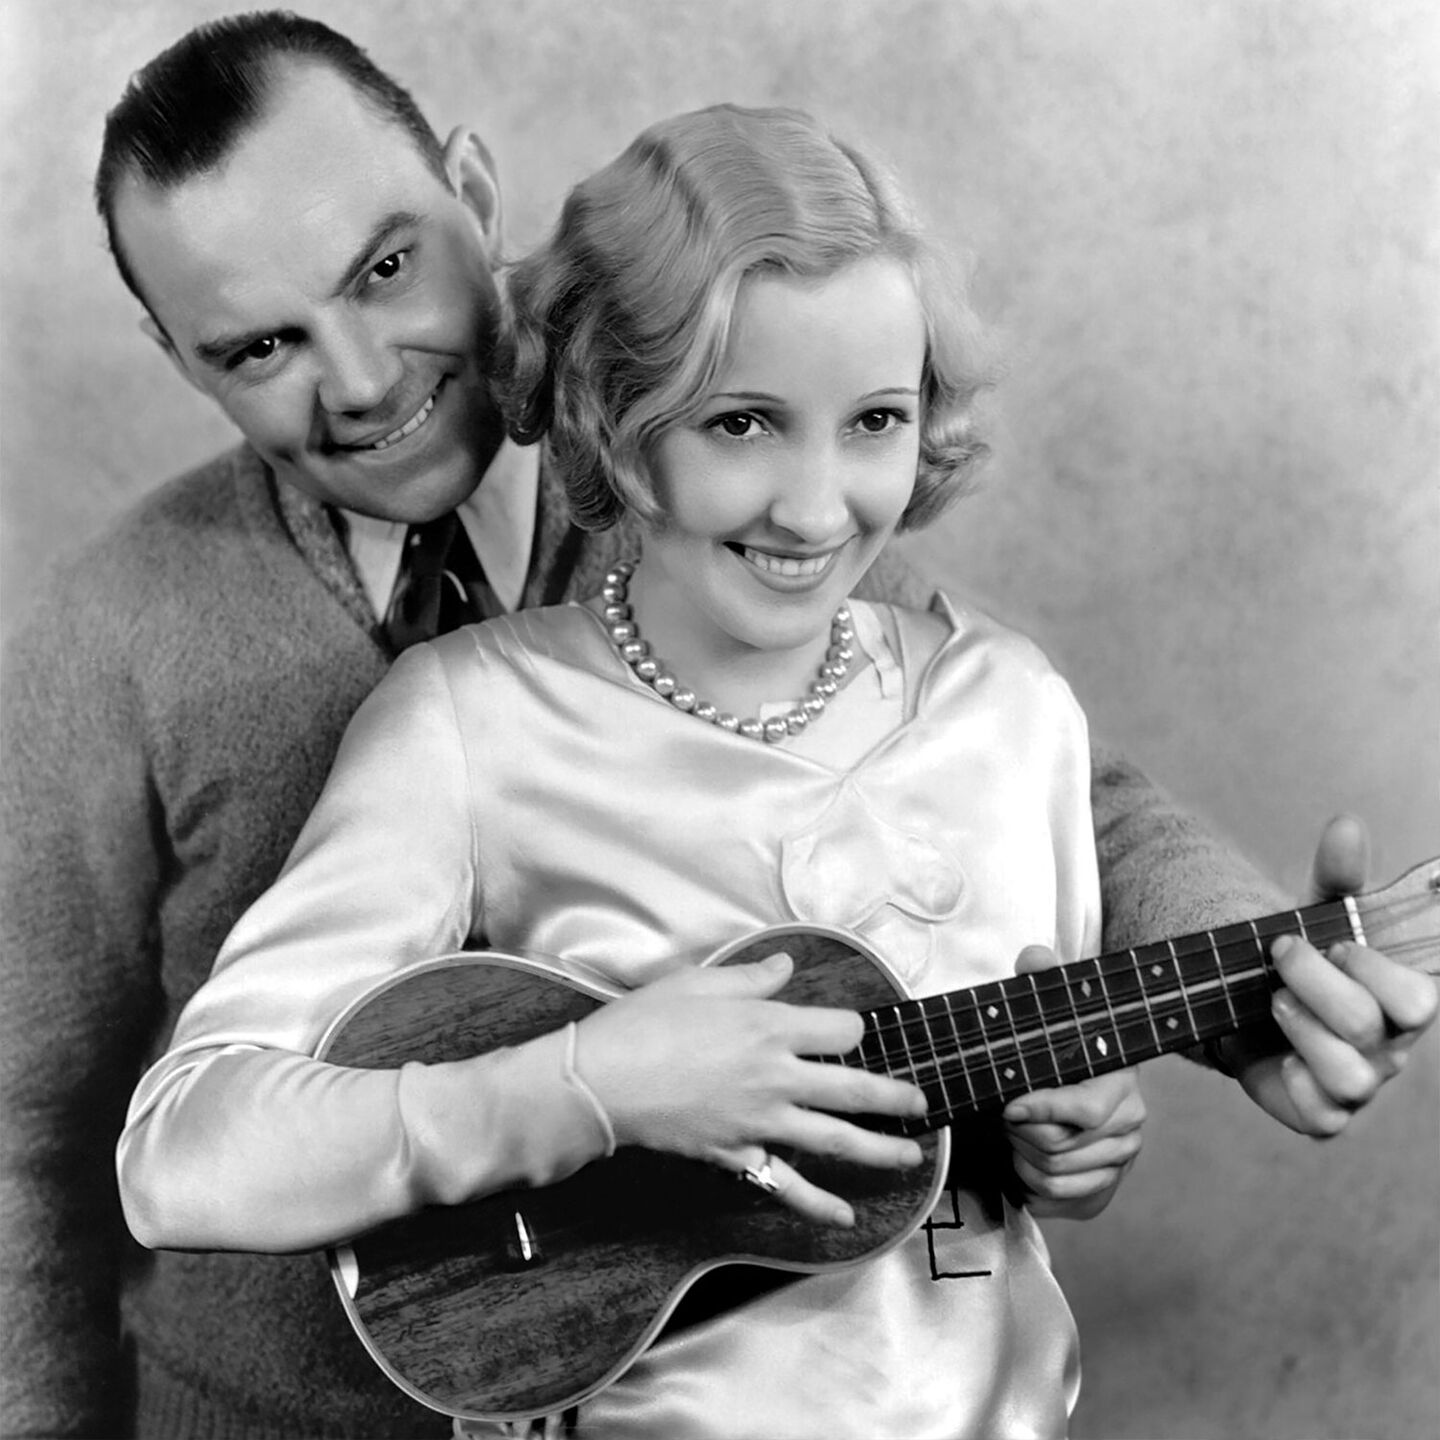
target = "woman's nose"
x: 810, y: 500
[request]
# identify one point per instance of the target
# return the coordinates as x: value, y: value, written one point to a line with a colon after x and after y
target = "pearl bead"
x: 635, y: 651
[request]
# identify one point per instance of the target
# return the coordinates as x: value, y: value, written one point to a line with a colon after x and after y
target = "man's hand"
x: 1075, y: 1144
x: 1347, y: 1020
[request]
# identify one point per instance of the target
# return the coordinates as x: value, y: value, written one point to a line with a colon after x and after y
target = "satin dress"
x: 515, y: 781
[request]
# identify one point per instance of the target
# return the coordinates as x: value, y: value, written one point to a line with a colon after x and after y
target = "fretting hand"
x: 1346, y: 1020
x: 704, y: 1064
x: 1073, y: 1145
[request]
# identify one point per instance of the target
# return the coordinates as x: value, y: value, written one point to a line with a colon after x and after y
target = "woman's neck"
x: 739, y: 678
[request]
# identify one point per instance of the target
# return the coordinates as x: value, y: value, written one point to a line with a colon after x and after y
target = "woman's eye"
x: 737, y: 427
x: 877, y: 422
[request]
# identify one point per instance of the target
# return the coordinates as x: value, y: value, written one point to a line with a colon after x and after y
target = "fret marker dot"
x: 1156, y: 971
x: 1085, y: 988
x: 1101, y: 1046
x: 1172, y: 1023
x: 992, y: 1012
x: 1009, y: 1073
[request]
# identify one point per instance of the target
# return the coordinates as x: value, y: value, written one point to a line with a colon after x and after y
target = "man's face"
x: 334, y: 298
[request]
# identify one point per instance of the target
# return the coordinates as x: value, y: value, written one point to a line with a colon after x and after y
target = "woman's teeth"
x: 785, y: 565
x: 409, y: 427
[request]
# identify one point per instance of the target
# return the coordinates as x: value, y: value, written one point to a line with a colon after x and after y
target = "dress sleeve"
x: 237, y: 1139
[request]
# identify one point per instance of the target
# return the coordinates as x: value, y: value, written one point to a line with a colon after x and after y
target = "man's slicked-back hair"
x: 185, y: 111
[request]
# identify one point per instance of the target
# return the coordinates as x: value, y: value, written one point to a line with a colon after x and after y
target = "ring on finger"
x: 762, y: 1176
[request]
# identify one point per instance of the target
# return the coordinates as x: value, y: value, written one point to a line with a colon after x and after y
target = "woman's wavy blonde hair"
x: 620, y: 323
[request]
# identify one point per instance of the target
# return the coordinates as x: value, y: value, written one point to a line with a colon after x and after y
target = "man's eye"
x: 389, y: 267
x: 256, y: 351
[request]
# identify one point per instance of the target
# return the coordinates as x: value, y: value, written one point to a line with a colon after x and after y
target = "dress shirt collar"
x: 499, y: 518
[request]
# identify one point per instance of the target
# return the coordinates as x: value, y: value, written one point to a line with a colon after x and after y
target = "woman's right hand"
x: 704, y: 1064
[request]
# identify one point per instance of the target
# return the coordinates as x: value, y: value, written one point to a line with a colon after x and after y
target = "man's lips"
x: 399, y: 433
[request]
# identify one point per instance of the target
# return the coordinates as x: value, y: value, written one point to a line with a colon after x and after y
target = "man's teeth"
x: 784, y: 565
x: 409, y: 427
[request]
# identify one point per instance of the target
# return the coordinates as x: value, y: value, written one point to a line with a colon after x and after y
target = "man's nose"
x: 358, y: 369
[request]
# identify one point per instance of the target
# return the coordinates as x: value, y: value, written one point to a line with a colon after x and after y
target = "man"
x: 311, y: 257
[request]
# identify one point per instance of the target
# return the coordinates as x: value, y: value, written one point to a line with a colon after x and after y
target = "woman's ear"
x: 471, y: 172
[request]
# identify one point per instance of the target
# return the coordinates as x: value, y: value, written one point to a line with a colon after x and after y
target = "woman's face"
x: 793, y: 473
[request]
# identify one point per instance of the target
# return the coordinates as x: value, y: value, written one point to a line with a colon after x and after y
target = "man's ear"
x: 472, y: 175
x: 151, y: 327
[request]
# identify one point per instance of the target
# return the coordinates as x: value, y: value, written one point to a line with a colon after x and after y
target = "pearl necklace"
x: 620, y: 622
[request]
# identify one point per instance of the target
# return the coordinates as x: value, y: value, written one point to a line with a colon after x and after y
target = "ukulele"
x: 529, y: 1301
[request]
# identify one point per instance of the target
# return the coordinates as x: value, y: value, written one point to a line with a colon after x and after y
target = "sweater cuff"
x: 517, y: 1116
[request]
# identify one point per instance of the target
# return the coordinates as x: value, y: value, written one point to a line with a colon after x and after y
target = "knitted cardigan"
x: 170, y: 710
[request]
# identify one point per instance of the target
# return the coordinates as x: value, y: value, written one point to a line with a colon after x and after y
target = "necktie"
x: 441, y: 584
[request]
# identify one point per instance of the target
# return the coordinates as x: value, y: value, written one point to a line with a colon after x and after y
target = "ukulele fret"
x: 1042, y: 1068
x: 1224, y: 980
x: 1149, y: 1007
x: 1184, y: 992
x: 1129, y: 1008
x: 1015, y: 1040
x: 983, y: 1021
x: 957, y: 1053
x: 936, y: 1050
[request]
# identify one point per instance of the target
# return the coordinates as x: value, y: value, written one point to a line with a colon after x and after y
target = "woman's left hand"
x: 1074, y: 1145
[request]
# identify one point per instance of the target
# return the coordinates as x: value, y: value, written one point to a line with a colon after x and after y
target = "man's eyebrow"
x: 217, y: 351
x: 384, y: 231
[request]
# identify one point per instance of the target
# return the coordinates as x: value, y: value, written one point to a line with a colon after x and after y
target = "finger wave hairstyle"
x: 621, y: 320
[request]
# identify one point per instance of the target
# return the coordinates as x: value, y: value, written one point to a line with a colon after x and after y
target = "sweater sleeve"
x: 237, y: 1139
x: 79, y: 870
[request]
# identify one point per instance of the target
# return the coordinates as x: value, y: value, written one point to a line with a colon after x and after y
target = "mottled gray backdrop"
x: 1208, y: 235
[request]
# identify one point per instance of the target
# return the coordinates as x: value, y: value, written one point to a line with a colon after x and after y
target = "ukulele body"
x: 531, y: 1300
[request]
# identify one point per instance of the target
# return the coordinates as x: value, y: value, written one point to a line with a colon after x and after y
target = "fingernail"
x: 844, y: 1216
x: 1283, y: 1005
x: 1282, y: 947
x: 1017, y: 1113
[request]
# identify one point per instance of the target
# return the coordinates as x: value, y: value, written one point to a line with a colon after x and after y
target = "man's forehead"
x: 290, y: 207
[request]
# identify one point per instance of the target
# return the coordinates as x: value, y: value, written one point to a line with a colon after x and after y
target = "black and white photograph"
x: 720, y: 720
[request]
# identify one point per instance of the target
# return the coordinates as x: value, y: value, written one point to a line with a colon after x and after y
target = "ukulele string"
x: 978, y: 1064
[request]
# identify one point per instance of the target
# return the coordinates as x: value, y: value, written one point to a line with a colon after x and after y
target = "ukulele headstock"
x: 1403, y: 919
